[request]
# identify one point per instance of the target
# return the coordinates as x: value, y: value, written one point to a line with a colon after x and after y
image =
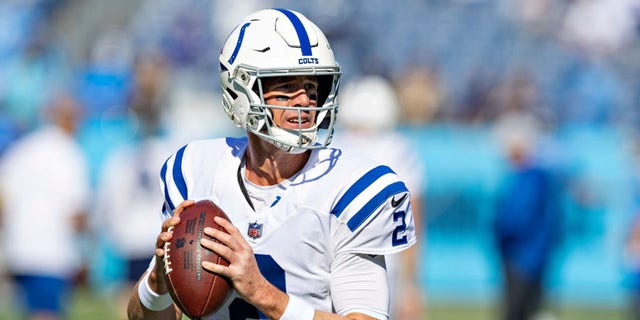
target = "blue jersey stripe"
x: 163, y: 176
x: 166, y: 212
x: 178, y: 178
x: 358, y: 187
x: 303, y: 37
x: 374, y: 203
x: 238, y: 43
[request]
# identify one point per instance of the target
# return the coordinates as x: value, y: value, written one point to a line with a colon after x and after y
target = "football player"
x: 309, y: 226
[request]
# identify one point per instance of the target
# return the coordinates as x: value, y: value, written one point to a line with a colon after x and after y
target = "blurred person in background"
x: 420, y: 94
x: 127, y: 187
x: 44, y: 187
x: 528, y: 214
x: 372, y: 134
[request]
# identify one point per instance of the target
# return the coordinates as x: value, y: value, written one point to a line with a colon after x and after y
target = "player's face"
x: 292, y: 92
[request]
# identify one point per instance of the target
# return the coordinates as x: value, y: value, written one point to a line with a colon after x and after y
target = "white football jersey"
x: 336, y: 204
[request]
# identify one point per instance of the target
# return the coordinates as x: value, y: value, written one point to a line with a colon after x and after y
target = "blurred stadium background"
x: 574, y: 63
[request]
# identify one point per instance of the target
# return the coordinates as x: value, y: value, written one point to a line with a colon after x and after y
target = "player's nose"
x: 301, y: 98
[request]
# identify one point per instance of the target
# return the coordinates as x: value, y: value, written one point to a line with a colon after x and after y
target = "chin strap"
x: 243, y: 188
x: 289, y: 140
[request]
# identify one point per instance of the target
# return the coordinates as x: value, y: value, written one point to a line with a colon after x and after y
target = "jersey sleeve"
x: 373, y: 215
x: 190, y: 172
x: 370, y: 296
x: 173, y: 183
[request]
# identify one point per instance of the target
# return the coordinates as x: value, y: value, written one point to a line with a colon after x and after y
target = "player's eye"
x: 281, y: 98
x: 288, y: 87
x: 310, y: 87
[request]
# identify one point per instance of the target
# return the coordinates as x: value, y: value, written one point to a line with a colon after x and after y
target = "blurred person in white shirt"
x: 367, y: 118
x: 44, y: 187
x: 127, y: 188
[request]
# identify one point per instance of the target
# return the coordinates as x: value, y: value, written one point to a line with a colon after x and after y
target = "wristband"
x: 150, y: 299
x: 297, y: 310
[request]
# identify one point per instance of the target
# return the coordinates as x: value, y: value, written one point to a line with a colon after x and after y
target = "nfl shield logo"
x: 255, y: 230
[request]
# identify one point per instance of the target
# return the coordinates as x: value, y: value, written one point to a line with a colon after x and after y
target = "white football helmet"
x: 276, y: 43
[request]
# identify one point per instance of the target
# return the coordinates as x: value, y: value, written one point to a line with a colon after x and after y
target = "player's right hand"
x: 243, y: 270
x: 156, y: 279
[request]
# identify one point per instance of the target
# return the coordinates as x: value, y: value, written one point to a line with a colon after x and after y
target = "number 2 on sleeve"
x: 400, y: 229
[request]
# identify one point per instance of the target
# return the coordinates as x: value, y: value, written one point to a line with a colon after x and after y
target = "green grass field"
x: 88, y: 305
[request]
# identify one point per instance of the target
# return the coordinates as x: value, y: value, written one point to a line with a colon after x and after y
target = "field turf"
x: 89, y: 305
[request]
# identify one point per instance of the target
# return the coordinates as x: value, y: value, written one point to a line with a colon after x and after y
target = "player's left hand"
x: 156, y: 280
x: 243, y: 268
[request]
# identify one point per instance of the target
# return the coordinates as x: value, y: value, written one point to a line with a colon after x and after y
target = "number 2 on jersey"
x: 400, y: 229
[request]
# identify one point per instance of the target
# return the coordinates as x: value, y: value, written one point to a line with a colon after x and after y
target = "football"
x: 196, y: 291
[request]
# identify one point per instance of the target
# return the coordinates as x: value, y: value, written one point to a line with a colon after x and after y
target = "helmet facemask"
x: 296, y: 140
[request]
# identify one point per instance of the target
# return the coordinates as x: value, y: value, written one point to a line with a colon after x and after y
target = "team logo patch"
x: 255, y: 230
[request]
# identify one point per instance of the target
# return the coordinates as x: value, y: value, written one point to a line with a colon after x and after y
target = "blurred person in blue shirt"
x: 527, y: 217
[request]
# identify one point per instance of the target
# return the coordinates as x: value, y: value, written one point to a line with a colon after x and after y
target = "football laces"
x: 167, y: 263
